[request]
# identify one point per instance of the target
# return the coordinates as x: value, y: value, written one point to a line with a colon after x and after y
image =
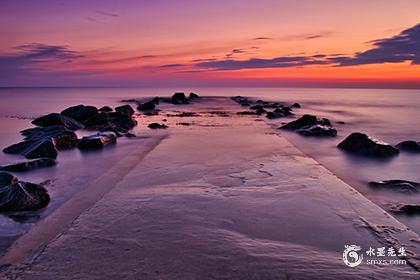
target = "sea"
x: 390, y: 115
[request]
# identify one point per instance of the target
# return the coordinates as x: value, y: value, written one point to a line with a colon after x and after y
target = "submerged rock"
x: 148, y: 106
x: 57, y: 119
x: 157, y: 126
x: 397, y: 185
x: 80, y: 112
x: 254, y: 113
x: 306, y: 120
x: 21, y: 196
x: 28, y: 165
x: 62, y: 137
x: 409, y: 146
x: 33, y: 149
x: 125, y: 110
x: 317, y: 130
x: 97, y: 141
x: 362, y: 144
x: 179, y: 98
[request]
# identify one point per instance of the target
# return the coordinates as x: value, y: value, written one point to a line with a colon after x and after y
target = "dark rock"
x: 295, y: 105
x: 130, y: 100
x: 125, y: 110
x: 287, y: 111
x: 97, y: 141
x: 97, y: 120
x: 193, y: 95
x: 397, y: 185
x: 28, y: 165
x: 148, y: 106
x: 409, y: 209
x: 266, y: 104
x: 21, y: 196
x: 157, y: 126
x: 80, y: 112
x: 33, y: 149
x: 279, y: 113
x: 247, y: 113
x: 243, y: 101
x: 256, y: 107
x: 150, y: 113
x: 362, y: 144
x: 179, y: 98
x: 317, y: 130
x: 123, y: 123
x: 62, y: 137
x: 183, y: 123
x: 155, y: 100
x: 130, y: 135
x: 7, y: 179
x: 183, y: 114
x: 105, y: 109
x: 409, y: 146
x: 57, y: 119
x: 306, y: 120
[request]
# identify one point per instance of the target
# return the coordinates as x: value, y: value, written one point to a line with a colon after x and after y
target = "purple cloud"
x: 400, y: 48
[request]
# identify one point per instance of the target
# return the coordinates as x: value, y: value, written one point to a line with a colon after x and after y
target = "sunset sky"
x: 327, y: 43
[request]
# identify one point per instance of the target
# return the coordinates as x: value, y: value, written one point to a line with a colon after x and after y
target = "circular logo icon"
x: 351, y: 255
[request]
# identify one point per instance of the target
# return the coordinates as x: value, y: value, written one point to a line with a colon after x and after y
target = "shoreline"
x: 214, y: 176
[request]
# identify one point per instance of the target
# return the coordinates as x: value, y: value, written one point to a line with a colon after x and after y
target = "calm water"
x: 390, y: 115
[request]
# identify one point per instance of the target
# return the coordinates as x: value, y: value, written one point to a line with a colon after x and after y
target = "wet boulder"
x: 306, y: 120
x: 295, y: 105
x: 57, y: 119
x: 97, y: 120
x: 147, y: 106
x: 397, y: 185
x: 33, y: 149
x: 125, y: 110
x: 122, y: 123
x: 157, y: 126
x: 179, y: 98
x: 29, y: 165
x: 409, y: 146
x: 105, y: 109
x: 62, y: 137
x: 193, y: 95
x: 80, y: 112
x: 362, y: 144
x: 317, y: 130
x: 16, y: 195
x: 97, y: 141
